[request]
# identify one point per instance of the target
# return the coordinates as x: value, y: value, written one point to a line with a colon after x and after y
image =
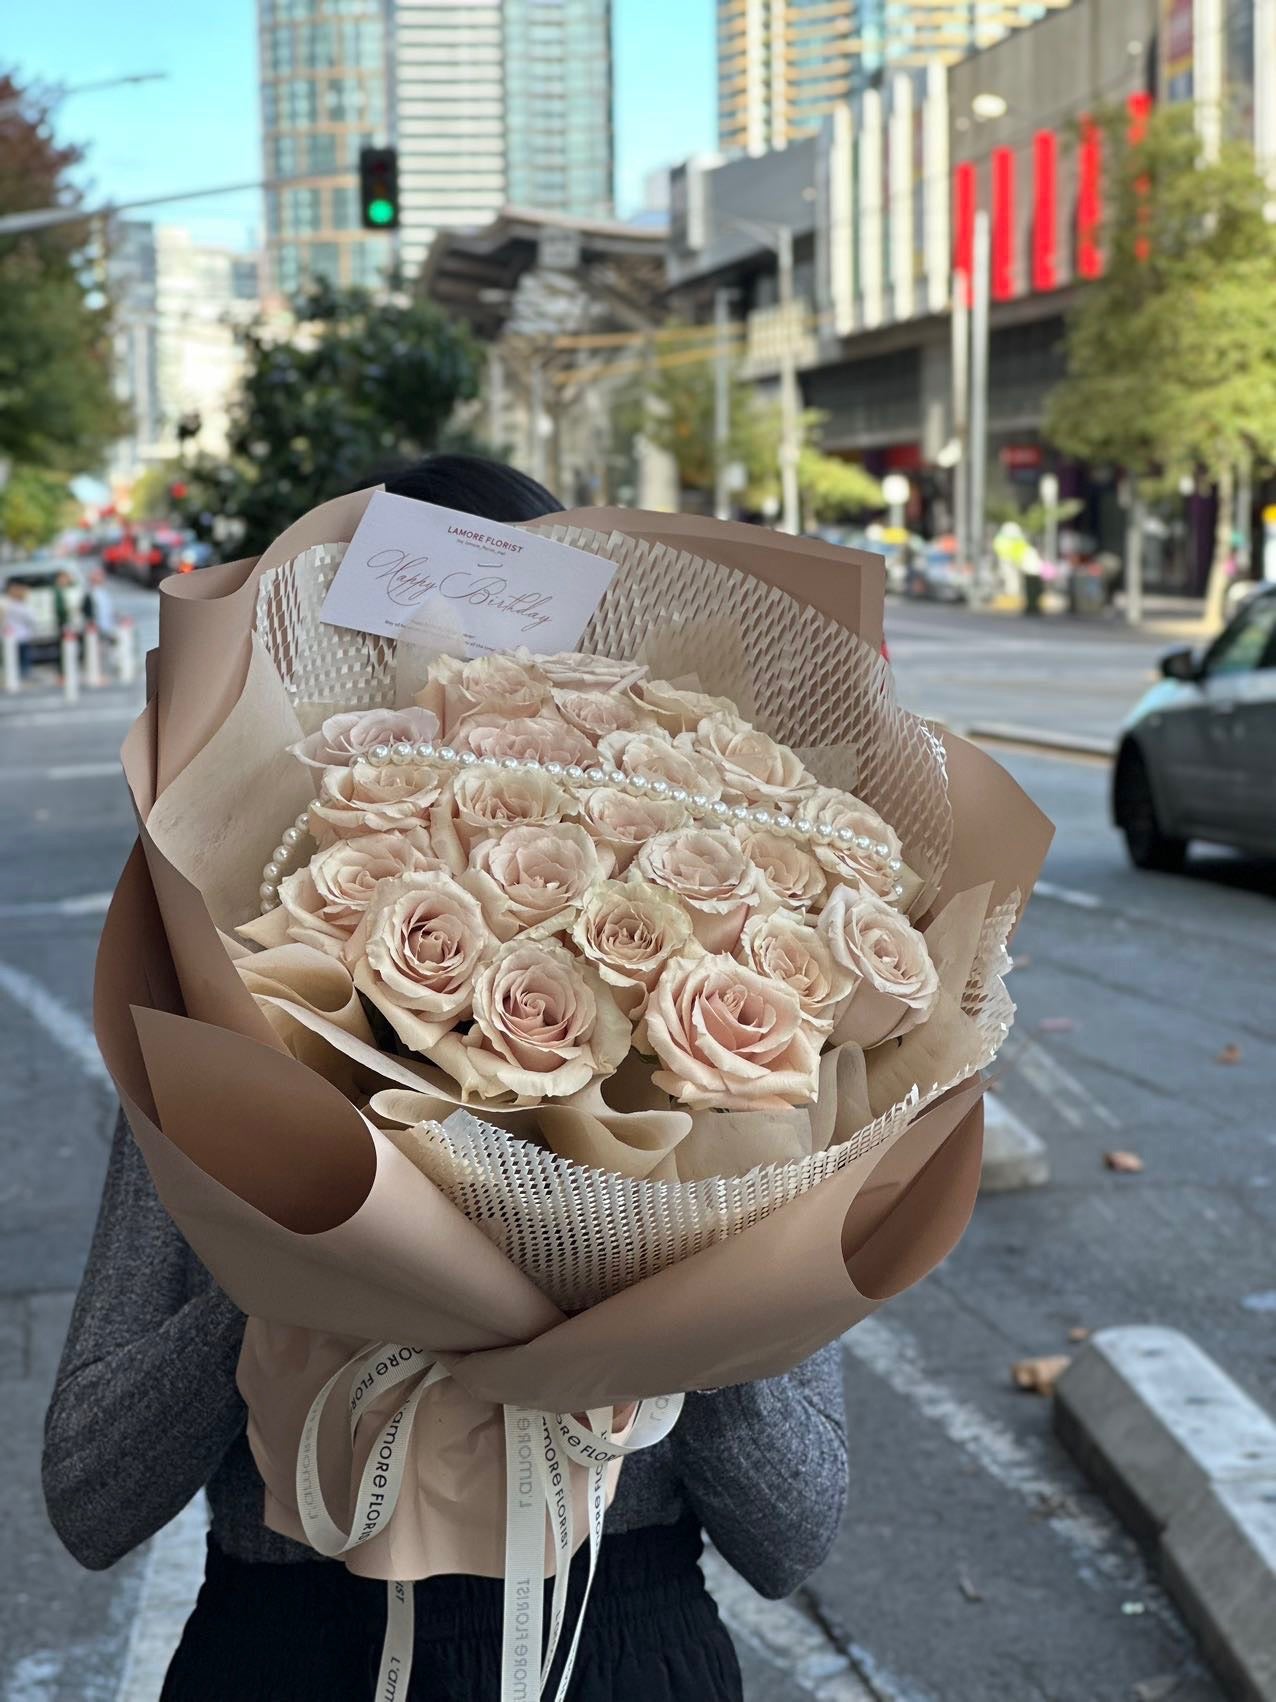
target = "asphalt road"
x: 974, y: 1565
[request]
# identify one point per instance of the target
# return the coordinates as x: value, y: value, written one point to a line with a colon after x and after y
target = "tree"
x: 57, y: 405
x: 34, y: 506
x: 362, y: 384
x: 834, y: 489
x: 1172, y: 354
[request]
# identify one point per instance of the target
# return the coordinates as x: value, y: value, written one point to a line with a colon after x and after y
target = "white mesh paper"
x: 580, y: 1233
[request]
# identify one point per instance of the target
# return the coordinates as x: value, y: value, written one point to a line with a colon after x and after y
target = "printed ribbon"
x: 540, y: 1450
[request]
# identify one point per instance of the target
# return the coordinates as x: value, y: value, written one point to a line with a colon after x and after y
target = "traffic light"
x: 379, y: 188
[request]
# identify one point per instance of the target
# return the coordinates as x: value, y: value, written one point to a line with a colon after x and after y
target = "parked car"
x: 192, y: 555
x: 1197, y: 758
x: 41, y: 604
x: 935, y: 573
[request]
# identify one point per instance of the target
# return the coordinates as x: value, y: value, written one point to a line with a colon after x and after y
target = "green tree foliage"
x: 834, y: 489
x: 34, y: 506
x: 57, y: 405
x: 1172, y: 353
x: 362, y: 382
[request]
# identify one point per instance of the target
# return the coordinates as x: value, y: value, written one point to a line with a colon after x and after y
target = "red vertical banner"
x: 1045, y: 210
x: 1138, y: 107
x: 964, y: 198
x: 1089, y: 200
x: 1003, y: 224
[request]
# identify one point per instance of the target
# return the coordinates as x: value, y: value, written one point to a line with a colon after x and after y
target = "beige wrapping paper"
x: 318, y: 1226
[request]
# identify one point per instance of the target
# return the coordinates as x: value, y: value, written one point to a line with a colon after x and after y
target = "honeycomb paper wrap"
x: 542, y: 1279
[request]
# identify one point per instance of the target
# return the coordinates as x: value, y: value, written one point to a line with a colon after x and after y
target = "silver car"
x: 1197, y: 758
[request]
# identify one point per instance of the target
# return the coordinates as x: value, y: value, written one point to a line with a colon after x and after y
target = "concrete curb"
x: 1189, y: 1462
x: 1014, y: 1157
x: 1072, y: 744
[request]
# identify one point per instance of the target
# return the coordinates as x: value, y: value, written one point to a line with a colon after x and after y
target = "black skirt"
x: 312, y: 1632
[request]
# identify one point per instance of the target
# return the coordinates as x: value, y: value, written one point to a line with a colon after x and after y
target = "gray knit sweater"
x: 762, y: 1467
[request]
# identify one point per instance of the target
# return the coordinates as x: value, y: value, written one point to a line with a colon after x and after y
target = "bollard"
x: 70, y: 666
x: 125, y: 651
x: 92, y: 656
x: 12, y: 665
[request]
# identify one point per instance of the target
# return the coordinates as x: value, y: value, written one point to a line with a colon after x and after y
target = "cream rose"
x: 679, y: 711
x: 729, y: 1038
x: 709, y: 871
x: 491, y: 688
x: 789, y: 872
x: 416, y: 953
x: 598, y: 713
x: 865, y: 851
x: 754, y: 768
x: 544, y: 1027
x: 487, y: 801
x: 631, y: 929
x: 622, y: 823
x: 344, y: 737
x: 325, y: 901
x: 572, y: 671
x: 362, y: 799
x: 657, y: 759
x: 896, y: 984
x: 536, y: 738
x: 794, y: 953
x: 534, y: 878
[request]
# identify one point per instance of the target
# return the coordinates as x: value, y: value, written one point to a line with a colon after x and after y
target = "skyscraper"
x: 558, y: 105
x: 323, y: 66
x: 784, y: 65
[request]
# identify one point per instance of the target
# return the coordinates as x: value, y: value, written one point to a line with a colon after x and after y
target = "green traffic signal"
x: 380, y: 211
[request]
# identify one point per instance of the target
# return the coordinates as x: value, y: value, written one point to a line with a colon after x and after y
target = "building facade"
x: 558, y: 106
x: 324, y: 70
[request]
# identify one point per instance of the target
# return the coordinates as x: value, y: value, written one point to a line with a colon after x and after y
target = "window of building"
x: 323, y: 151
x: 289, y: 268
x: 343, y: 208
x: 285, y: 156
x: 369, y: 262
x: 325, y: 261
x: 319, y: 47
x: 297, y: 102
x: 281, y: 50
x: 302, y: 211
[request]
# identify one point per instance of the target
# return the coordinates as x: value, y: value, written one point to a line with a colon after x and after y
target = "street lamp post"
x: 721, y: 404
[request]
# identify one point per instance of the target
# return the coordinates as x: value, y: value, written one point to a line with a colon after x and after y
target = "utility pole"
x: 721, y: 403
x: 979, y: 399
x: 1133, y: 553
x: 961, y: 415
x: 790, y: 426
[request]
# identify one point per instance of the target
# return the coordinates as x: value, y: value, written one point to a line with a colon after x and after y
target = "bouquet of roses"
x: 599, y: 1026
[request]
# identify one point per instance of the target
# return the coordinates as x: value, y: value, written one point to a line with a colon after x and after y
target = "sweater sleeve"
x: 764, y: 1467
x: 145, y: 1403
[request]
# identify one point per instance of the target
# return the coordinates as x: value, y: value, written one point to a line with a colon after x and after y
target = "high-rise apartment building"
x: 784, y: 65
x: 488, y: 102
x: 324, y: 67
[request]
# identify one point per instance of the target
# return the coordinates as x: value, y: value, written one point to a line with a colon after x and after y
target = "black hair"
x: 470, y: 483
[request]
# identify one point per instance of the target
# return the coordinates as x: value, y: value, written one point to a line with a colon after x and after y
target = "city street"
x: 974, y: 1565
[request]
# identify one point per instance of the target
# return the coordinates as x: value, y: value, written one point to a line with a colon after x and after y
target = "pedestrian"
x: 16, y: 620
x: 68, y: 592
x: 145, y: 1414
x: 99, y: 605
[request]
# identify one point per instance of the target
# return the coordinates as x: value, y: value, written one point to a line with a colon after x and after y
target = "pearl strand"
x: 712, y: 810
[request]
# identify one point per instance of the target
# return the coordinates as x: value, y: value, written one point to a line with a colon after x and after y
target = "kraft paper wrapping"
x: 328, y: 1236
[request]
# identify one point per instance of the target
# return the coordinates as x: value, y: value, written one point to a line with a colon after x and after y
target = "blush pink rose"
x: 793, y: 952
x: 416, y: 953
x: 790, y: 874
x: 534, y: 878
x: 754, y: 768
x: 708, y: 869
x: 729, y: 1038
x: 667, y: 767
x: 487, y: 801
x: 545, y: 1026
x: 677, y: 710
x: 491, y: 688
x: 598, y: 713
x: 536, y: 738
x: 344, y: 737
x: 622, y: 823
x: 574, y: 671
x: 866, y: 852
x: 362, y: 799
x: 895, y: 982
x: 631, y: 929
x: 326, y: 900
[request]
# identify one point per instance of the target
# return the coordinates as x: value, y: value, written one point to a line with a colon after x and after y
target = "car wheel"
x: 1149, y: 846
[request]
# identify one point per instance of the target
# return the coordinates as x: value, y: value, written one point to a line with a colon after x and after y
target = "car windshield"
x: 1249, y: 643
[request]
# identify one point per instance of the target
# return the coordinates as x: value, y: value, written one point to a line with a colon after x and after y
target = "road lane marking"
x: 65, y: 1027
x: 1044, y: 1071
x: 1068, y: 895
x: 1094, y: 1540
x: 62, y: 771
x: 81, y: 904
x: 172, y: 1572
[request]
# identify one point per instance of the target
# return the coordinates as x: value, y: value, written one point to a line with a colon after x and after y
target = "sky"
x: 199, y: 127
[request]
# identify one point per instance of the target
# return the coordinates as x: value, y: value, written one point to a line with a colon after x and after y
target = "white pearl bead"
x: 512, y: 762
x: 894, y: 865
x: 271, y: 903
x: 424, y: 751
x: 279, y: 854
x: 680, y: 795
x: 617, y: 777
x: 718, y: 808
x: 899, y: 890
x: 266, y: 889
x: 303, y: 821
x: 845, y: 836
x: 271, y: 872
x: 379, y: 755
x: 783, y: 822
x: 640, y: 783
x: 882, y: 850
x: 291, y: 837
x: 404, y: 752
x: 763, y: 818
x: 468, y: 758
x: 575, y: 772
x: 554, y: 768
x: 826, y: 830
x: 740, y: 812
x: 862, y: 841
x: 699, y: 801
x: 595, y: 776
x: 804, y: 826
x: 447, y: 754
x: 660, y: 788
